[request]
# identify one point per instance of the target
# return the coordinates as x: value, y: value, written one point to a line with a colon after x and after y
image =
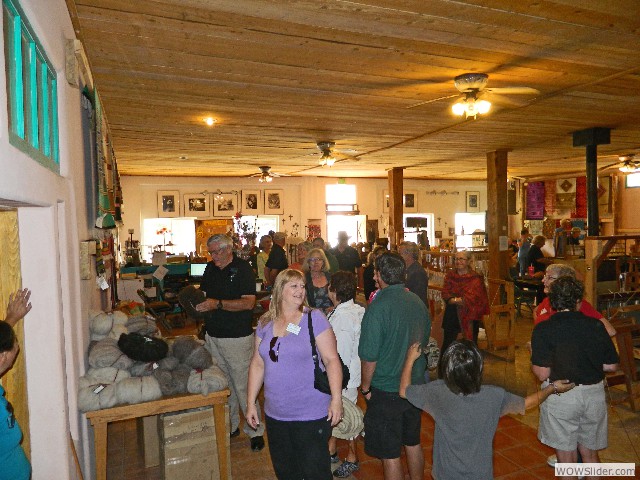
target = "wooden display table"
x: 100, y: 419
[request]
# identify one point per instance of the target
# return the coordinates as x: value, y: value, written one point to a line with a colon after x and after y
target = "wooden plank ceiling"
x: 280, y: 76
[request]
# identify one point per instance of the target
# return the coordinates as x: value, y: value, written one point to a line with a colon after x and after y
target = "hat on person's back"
x: 343, y: 234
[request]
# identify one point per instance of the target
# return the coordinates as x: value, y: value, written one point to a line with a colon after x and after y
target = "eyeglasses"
x: 217, y: 252
x: 11, y: 419
x: 461, y: 259
x: 548, y: 277
x: 314, y: 259
x: 273, y: 354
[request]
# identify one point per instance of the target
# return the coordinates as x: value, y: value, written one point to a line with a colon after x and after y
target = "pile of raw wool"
x: 152, y: 367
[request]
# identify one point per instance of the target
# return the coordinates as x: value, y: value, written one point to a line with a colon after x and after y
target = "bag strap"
x: 312, y: 338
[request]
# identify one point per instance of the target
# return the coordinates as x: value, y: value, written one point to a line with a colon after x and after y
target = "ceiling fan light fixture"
x: 629, y: 167
x: 471, y: 106
x: 459, y: 108
x: 327, y: 160
x: 483, y: 106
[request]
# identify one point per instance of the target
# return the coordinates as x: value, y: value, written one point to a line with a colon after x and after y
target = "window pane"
x: 633, y: 180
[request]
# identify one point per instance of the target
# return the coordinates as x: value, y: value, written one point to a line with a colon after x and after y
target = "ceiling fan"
x: 328, y: 153
x: 476, y: 96
x: 266, y: 175
x: 626, y: 163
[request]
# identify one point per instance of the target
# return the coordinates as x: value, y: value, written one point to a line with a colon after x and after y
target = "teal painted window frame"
x: 32, y: 90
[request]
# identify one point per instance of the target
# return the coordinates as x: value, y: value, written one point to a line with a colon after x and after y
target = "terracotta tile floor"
x: 517, y: 452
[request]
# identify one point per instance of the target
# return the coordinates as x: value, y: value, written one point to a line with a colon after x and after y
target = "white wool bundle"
x: 138, y: 390
x: 103, y: 324
x: 206, y: 381
x: 142, y: 325
x: 118, y: 330
x: 97, y: 389
x: 106, y: 353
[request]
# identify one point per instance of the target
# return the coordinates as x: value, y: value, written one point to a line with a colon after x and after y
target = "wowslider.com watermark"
x: 595, y: 469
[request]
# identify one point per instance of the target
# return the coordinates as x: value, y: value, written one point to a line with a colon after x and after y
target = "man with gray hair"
x: 230, y: 287
x: 417, y: 279
x: 277, y: 260
x: 393, y: 322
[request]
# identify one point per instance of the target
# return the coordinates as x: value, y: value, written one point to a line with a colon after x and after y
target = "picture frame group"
x: 172, y: 204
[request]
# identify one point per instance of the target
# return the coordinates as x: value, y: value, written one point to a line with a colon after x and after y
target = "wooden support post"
x: 497, y: 230
x: 396, y: 226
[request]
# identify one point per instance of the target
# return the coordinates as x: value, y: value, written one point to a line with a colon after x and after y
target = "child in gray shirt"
x: 466, y: 413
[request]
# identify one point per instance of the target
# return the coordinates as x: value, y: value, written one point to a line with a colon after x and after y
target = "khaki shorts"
x: 578, y: 416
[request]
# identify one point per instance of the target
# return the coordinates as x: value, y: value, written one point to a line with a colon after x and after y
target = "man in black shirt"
x: 348, y: 257
x: 230, y: 287
x: 277, y: 260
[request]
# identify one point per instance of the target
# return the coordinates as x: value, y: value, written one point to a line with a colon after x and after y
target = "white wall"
x: 304, y: 198
x: 51, y: 223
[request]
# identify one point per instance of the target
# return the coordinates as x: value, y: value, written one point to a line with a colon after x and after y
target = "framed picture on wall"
x: 273, y: 202
x: 410, y: 200
x: 473, y: 202
x: 168, y: 203
x: 251, y: 202
x: 197, y: 205
x: 225, y: 205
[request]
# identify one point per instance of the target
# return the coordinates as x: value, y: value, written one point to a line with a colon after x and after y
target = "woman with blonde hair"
x: 318, y: 277
x: 299, y: 418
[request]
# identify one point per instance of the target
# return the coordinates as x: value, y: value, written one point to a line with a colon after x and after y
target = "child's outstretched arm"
x: 557, y: 387
x: 413, y: 354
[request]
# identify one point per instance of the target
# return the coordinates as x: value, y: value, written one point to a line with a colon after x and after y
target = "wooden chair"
x: 626, y: 336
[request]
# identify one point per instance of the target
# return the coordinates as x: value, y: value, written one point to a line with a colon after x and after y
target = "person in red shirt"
x: 544, y: 310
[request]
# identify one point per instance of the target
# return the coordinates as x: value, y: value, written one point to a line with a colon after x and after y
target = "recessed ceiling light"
x: 210, y: 121
x: 183, y: 157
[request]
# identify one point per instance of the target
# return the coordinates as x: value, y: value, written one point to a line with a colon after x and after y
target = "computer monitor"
x: 197, y: 269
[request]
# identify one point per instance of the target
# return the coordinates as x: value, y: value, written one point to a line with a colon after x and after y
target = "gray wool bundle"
x: 142, y: 324
x: 106, y: 353
x: 189, y: 297
x: 143, y: 369
x: 103, y: 324
x: 138, y: 390
x: 173, y: 381
x: 190, y: 351
x: 169, y: 363
x: 206, y: 381
x: 97, y: 388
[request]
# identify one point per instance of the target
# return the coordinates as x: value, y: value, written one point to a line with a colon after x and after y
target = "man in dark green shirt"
x: 392, y: 323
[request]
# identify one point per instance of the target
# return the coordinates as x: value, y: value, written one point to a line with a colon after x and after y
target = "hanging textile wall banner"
x: 566, y: 194
x: 604, y: 196
x: 535, y: 201
x: 549, y: 227
x: 580, y: 210
x: 550, y: 207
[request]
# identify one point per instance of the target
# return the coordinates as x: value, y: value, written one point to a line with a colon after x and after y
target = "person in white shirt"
x: 345, y: 319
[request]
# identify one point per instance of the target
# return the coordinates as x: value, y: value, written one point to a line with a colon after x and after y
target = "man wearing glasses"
x: 230, y: 287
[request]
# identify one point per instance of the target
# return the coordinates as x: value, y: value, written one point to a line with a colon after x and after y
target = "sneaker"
x: 552, y: 460
x: 346, y: 469
x: 334, y: 458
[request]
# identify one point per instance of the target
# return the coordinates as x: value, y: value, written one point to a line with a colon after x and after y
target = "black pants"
x: 450, y: 334
x: 300, y: 450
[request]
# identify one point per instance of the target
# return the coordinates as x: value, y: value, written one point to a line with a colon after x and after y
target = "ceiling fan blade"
x: 502, y: 100
x: 606, y: 167
x: 514, y: 90
x: 433, y: 100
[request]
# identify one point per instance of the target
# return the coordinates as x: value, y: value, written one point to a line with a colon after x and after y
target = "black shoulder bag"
x: 320, y: 378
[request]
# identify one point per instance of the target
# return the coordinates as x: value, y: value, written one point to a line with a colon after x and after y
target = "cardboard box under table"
x: 189, y: 445
x: 100, y: 420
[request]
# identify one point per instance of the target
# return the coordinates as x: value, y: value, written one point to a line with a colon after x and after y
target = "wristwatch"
x: 365, y: 392
x: 220, y: 304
